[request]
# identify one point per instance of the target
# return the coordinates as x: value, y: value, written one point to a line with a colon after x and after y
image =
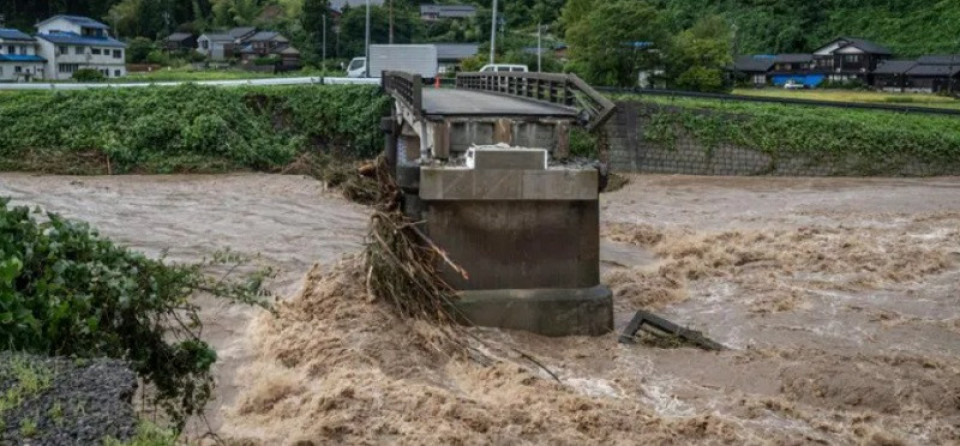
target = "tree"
x: 699, y: 55
x: 312, y: 16
x: 407, y: 28
x: 614, y: 41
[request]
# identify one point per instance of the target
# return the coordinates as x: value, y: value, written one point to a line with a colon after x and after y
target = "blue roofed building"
x: 69, y: 43
x: 19, y: 61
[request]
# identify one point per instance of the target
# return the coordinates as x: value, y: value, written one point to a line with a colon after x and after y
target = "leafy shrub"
x: 186, y: 128
x: 138, y: 49
x: 64, y: 290
x: 157, y: 57
x: 88, y: 75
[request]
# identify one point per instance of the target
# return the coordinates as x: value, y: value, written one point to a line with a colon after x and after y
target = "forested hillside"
x: 908, y: 27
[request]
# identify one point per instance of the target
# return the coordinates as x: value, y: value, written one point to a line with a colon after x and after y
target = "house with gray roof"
x: 850, y: 58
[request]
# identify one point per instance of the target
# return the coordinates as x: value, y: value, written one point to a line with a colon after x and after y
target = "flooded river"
x: 839, y: 298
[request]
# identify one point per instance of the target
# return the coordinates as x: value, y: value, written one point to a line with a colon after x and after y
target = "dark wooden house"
x: 180, y: 42
x: 850, y: 58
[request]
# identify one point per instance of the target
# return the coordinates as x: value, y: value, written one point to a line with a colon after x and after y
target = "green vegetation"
x: 29, y: 379
x: 187, y: 128
x: 782, y: 26
x: 861, y: 142
x: 148, y: 434
x: 867, y: 97
x: 66, y: 291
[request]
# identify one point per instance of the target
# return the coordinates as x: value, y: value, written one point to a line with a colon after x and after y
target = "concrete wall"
x: 631, y: 151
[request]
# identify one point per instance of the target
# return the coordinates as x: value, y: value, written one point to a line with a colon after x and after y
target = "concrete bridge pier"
x: 522, y: 222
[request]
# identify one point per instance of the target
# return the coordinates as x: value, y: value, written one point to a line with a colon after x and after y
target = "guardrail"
x: 559, y: 89
x: 406, y: 87
x: 270, y: 81
x: 785, y: 101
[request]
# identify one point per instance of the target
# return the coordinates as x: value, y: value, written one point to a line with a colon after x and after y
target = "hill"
x: 907, y: 27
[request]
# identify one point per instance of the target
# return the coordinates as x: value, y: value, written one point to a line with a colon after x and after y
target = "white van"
x: 504, y: 67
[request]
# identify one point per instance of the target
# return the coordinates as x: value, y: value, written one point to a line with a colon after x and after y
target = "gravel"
x: 76, y: 402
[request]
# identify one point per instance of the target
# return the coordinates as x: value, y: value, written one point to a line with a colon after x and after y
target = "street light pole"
x: 367, y: 43
x: 493, y: 33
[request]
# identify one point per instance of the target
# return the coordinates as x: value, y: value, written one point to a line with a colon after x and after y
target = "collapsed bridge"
x: 487, y: 167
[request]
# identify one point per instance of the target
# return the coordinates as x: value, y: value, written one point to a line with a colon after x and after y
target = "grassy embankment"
x: 188, y: 74
x: 186, y: 129
x: 866, y: 142
x: 866, y: 97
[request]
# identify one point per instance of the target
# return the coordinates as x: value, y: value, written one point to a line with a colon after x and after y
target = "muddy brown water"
x: 836, y: 352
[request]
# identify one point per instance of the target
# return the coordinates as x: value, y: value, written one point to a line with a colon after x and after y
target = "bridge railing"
x: 559, y: 89
x: 407, y: 87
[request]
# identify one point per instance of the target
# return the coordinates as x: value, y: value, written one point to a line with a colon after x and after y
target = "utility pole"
x: 391, y: 22
x: 324, y: 60
x: 493, y: 33
x: 366, y: 69
x: 539, y: 49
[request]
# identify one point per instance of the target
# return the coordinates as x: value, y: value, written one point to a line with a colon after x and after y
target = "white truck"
x: 417, y: 59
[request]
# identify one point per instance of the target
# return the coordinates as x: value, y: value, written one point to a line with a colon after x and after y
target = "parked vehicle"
x: 417, y: 59
x: 793, y: 85
x: 504, y: 67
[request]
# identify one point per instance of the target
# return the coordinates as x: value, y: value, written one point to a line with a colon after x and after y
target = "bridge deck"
x: 454, y: 102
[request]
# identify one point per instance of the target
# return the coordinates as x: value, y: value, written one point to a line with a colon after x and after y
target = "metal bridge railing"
x: 559, y: 89
x: 407, y: 87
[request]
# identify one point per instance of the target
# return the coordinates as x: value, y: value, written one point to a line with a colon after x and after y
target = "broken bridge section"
x: 487, y: 168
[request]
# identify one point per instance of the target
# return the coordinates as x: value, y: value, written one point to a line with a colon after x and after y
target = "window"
x: 95, y: 51
x: 17, y: 69
x: 116, y: 73
x: 851, y: 58
x: 78, y: 50
x: 1, y: 71
x: 205, y: 44
x: 64, y: 50
x: 68, y: 67
x: 11, y: 49
x: 117, y: 54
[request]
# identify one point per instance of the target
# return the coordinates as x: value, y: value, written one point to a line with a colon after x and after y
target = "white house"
x: 18, y: 57
x: 69, y: 43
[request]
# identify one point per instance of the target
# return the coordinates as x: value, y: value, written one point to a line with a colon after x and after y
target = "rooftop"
x: 82, y: 21
x: 456, y: 51
x: 793, y: 58
x: 934, y: 70
x: 338, y: 5
x: 241, y: 31
x: 267, y: 36
x: 178, y: 37
x: 451, y: 11
x: 895, y: 67
x: 69, y: 38
x: 753, y: 63
x: 14, y: 34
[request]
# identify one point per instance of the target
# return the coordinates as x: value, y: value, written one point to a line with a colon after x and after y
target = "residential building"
x: 450, y: 55
x: 891, y: 75
x: 69, y: 43
x: 431, y: 13
x: 180, y: 42
x: 753, y: 69
x: 850, y: 58
x: 934, y: 74
x: 270, y: 43
x: 224, y: 45
x: 19, y: 61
